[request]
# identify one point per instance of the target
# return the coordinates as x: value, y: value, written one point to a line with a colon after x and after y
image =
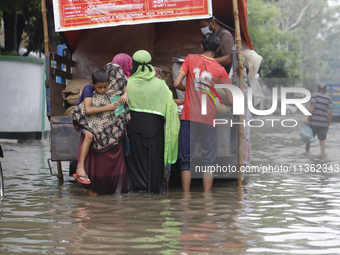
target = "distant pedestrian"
x: 321, y: 110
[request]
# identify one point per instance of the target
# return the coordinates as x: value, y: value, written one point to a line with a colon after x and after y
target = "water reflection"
x: 296, y: 212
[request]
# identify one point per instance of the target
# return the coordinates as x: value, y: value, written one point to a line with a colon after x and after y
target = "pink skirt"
x: 106, y: 170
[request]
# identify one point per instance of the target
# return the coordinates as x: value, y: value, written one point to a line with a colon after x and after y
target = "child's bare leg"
x: 83, y: 153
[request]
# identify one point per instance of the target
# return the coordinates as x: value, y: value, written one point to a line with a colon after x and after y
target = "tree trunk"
x: 10, y: 25
x: 20, y: 28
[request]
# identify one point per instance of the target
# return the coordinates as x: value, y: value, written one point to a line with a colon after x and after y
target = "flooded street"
x: 279, y: 212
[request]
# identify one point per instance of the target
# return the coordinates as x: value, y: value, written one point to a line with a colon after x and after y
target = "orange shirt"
x: 201, y: 70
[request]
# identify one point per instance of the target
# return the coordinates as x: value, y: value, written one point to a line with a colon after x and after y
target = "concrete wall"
x: 22, y: 96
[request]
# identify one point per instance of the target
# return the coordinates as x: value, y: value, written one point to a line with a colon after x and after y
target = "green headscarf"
x: 151, y: 95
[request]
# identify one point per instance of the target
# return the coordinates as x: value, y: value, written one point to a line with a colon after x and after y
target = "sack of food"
x: 72, y: 99
x: 69, y: 111
x: 73, y: 90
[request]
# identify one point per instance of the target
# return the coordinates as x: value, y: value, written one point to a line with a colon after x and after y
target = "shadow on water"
x: 294, y: 212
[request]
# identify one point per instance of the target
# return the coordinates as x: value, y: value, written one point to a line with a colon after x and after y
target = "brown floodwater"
x: 279, y: 212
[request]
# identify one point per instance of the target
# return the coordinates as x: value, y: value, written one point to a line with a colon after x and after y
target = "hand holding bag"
x: 306, y: 134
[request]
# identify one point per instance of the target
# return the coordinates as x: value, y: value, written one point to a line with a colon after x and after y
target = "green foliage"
x: 27, y: 19
x: 320, y: 39
x: 278, y: 60
x: 34, y: 28
x: 296, y: 38
x: 10, y: 5
x: 10, y: 53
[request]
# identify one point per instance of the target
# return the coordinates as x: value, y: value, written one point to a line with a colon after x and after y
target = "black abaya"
x: 145, y: 165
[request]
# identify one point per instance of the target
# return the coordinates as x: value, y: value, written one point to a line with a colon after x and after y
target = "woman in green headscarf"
x: 151, y: 105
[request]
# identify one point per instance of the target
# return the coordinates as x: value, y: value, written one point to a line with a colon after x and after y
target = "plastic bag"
x: 254, y: 61
x: 306, y: 134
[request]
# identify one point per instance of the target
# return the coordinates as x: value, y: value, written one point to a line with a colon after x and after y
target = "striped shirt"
x: 322, y: 104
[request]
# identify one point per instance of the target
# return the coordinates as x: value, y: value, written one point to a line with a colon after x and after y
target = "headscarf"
x: 107, y: 128
x: 124, y: 61
x: 151, y: 95
x: 141, y: 60
x: 158, y: 72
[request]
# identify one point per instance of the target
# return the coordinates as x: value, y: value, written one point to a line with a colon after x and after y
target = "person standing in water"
x: 321, y: 110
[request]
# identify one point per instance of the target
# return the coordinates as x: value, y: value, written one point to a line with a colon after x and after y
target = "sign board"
x: 85, y: 14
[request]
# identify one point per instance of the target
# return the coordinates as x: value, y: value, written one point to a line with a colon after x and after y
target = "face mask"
x: 205, y: 30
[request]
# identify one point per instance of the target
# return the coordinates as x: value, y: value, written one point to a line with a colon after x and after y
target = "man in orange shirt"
x: 202, y: 71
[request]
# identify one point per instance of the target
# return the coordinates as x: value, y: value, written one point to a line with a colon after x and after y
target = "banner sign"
x: 84, y: 14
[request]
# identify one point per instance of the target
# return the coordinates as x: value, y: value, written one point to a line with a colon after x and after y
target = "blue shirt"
x: 87, y: 92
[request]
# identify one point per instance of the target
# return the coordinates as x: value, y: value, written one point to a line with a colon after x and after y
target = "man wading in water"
x: 321, y: 110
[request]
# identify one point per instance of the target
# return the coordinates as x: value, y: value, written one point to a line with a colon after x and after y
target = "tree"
x: 278, y: 62
x: 21, y: 16
x: 296, y: 38
x: 9, y: 15
x: 293, y: 13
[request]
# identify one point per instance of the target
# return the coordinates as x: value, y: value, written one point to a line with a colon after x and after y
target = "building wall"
x: 22, y: 97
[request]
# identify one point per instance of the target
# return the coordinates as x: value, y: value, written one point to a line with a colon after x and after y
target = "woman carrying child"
x: 104, y: 163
